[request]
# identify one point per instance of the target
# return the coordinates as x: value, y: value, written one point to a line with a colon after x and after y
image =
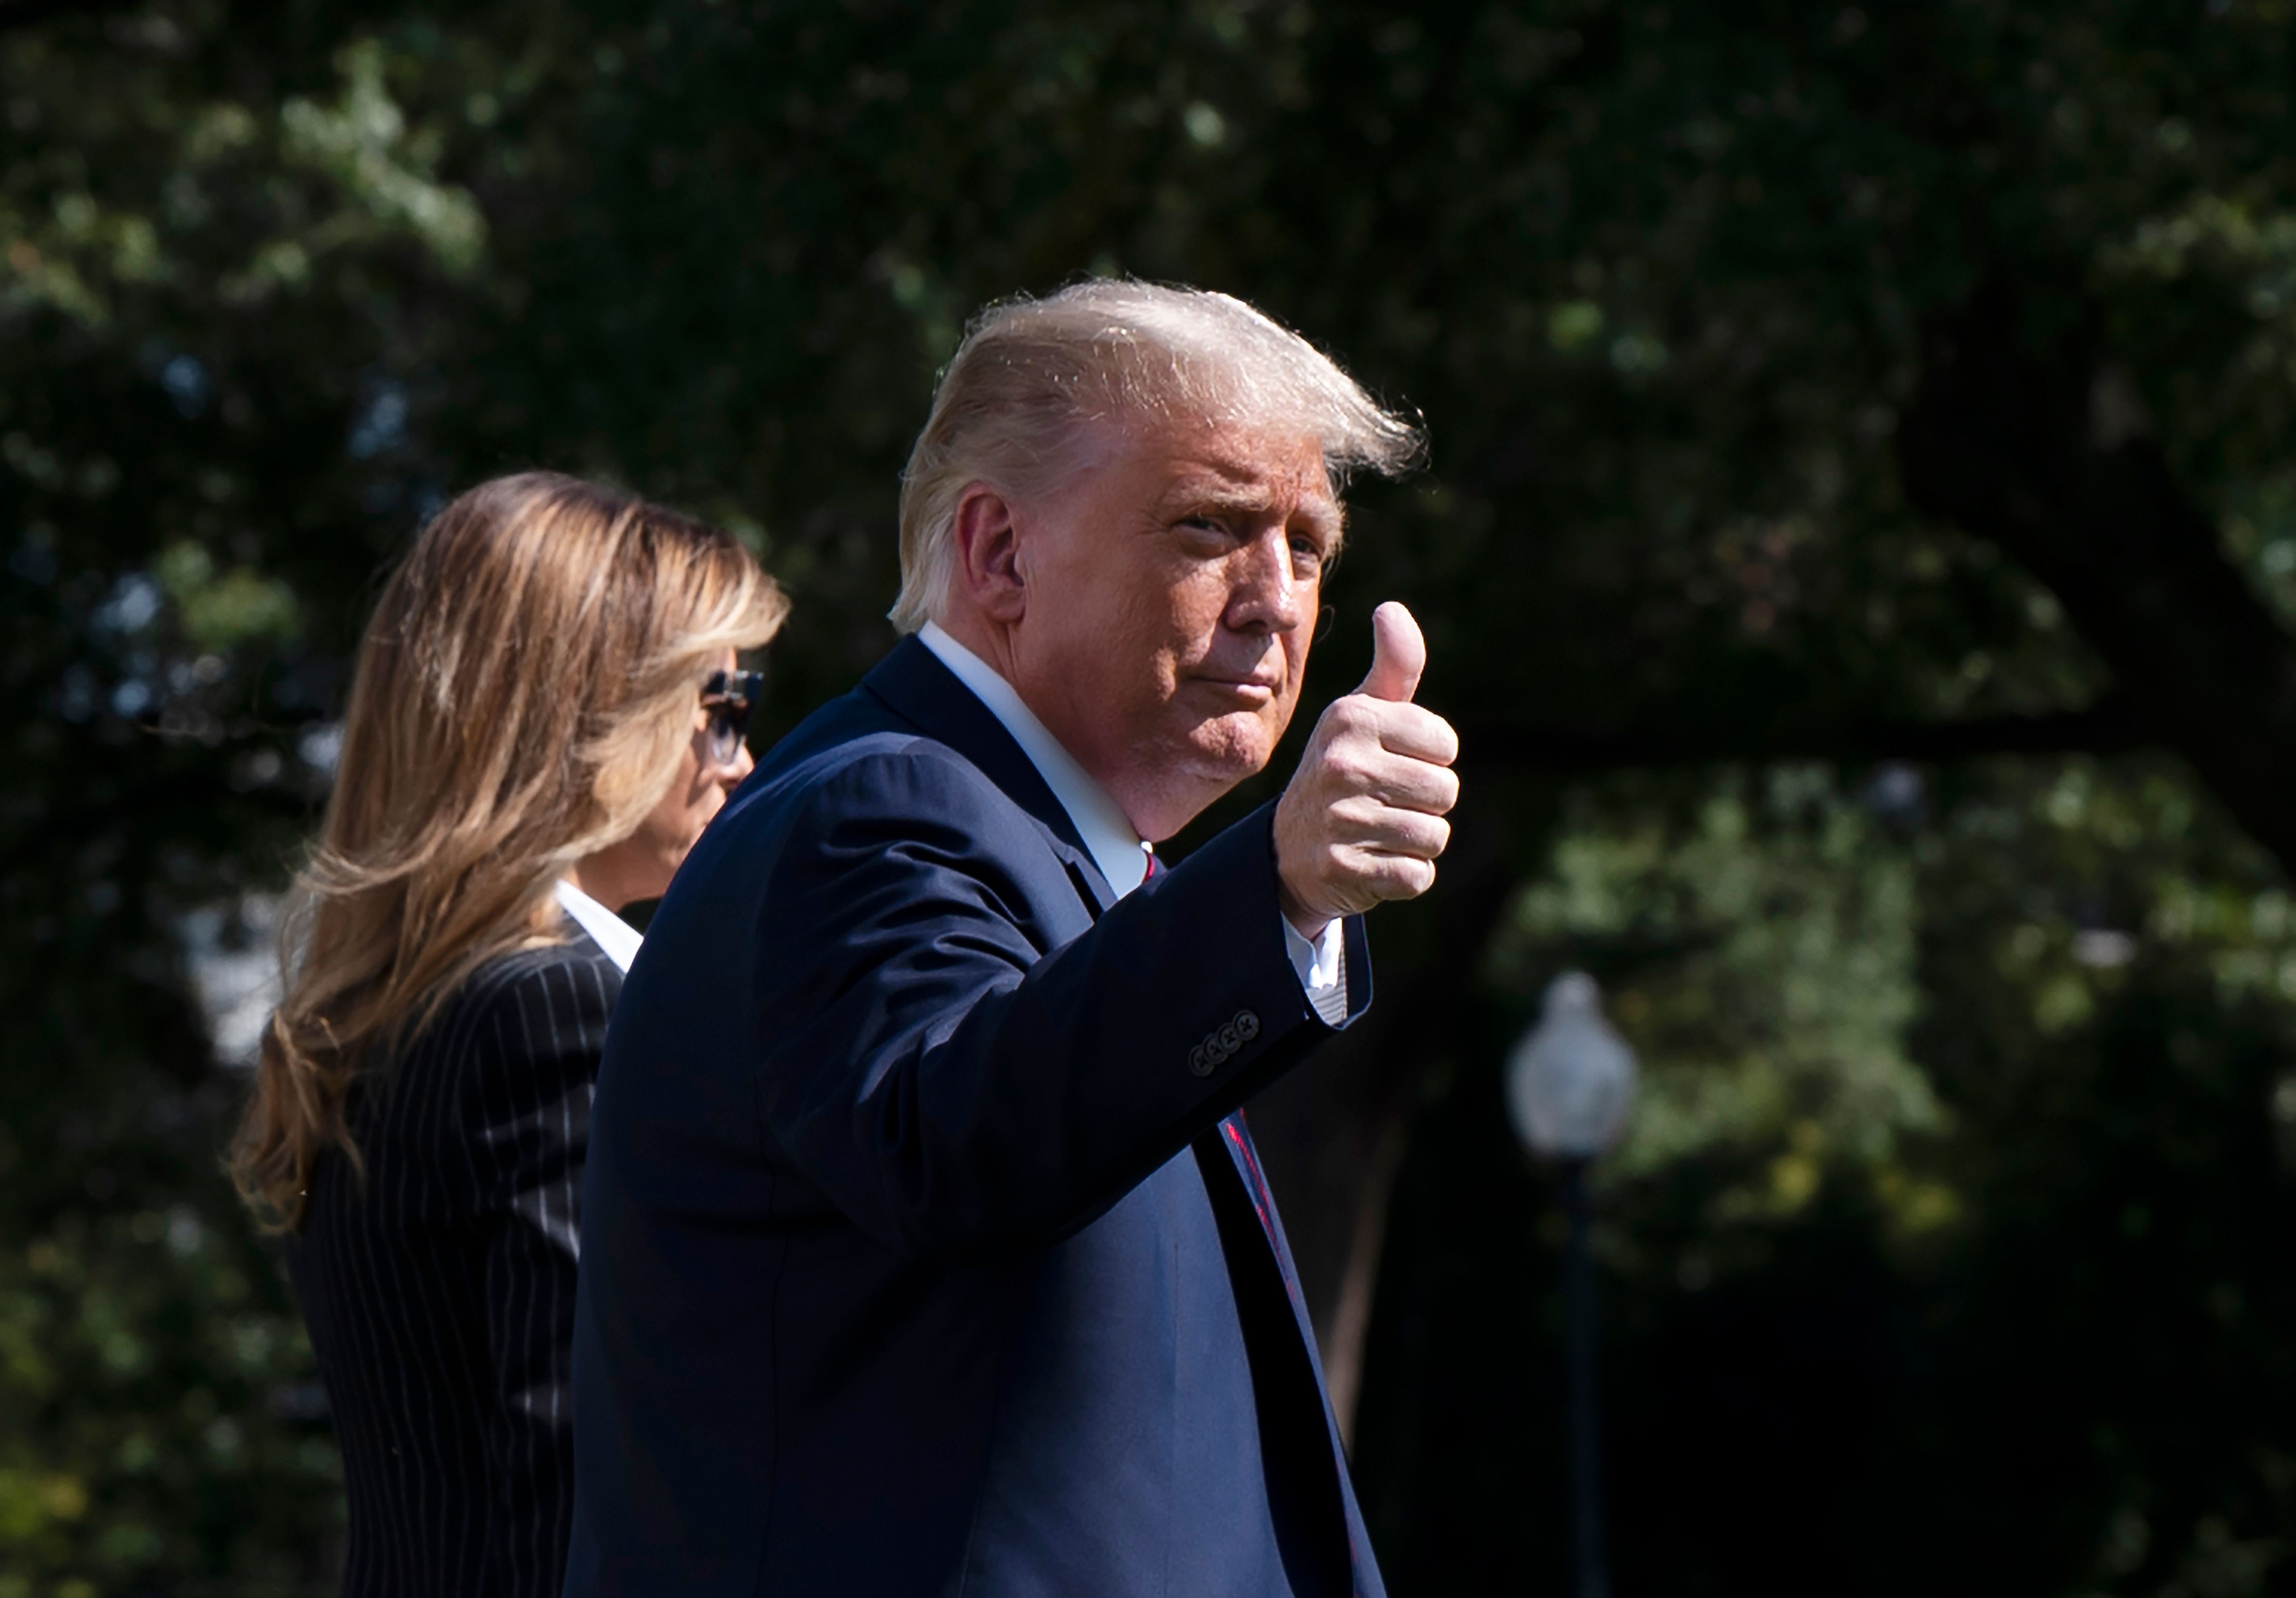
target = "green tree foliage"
x: 1810, y: 388
x: 1761, y: 951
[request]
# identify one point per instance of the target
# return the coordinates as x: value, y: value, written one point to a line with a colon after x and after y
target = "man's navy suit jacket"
x: 924, y: 1251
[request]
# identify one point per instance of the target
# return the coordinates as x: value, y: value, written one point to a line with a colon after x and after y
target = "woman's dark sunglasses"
x: 728, y: 696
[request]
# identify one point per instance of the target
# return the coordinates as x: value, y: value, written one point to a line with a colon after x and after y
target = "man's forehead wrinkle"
x: 1210, y: 493
x: 1255, y: 496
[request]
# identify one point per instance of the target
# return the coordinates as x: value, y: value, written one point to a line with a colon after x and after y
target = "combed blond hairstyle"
x: 524, y: 688
x: 1032, y: 373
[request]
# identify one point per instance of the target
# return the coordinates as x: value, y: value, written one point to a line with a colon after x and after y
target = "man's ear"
x: 987, y: 548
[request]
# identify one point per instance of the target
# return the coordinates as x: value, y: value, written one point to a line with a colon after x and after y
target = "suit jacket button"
x: 1200, y: 1063
x: 1246, y: 1025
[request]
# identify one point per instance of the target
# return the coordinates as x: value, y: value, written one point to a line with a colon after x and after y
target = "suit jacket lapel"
x: 1235, y: 1137
x: 1287, y: 1375
x: 927, y: 694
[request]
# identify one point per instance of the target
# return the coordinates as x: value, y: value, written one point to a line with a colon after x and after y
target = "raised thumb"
x: 1398, y: 654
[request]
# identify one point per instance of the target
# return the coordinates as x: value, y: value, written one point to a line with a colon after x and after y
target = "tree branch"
x: 49, y: 832
x: 1502, y: 749
x: 16, y: 15
x: 2040, y: 444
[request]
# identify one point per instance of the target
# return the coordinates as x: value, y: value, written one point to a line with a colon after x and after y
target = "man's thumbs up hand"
x: 1398, y: 654
x: 1362, y: 821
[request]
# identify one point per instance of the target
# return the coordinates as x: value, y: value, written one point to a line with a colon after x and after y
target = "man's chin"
x: 1229, y: 749
x: 1193, y: 772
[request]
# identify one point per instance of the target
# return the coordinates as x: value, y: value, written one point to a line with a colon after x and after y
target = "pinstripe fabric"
x: 440, y: 1293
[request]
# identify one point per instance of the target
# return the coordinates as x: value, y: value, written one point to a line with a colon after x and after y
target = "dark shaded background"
x: 1860, y: 550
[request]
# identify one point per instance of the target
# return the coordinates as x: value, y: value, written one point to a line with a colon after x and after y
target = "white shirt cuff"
x: 1322, y: 969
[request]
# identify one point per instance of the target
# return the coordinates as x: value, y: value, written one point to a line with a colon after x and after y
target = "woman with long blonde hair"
x: 547, y: 712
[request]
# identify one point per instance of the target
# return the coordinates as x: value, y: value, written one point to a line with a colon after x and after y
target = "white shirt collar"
x: 609, y: 931
x: 1116, y: 848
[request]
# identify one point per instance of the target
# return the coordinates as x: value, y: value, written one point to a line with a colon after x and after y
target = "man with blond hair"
x: 925, y: 1250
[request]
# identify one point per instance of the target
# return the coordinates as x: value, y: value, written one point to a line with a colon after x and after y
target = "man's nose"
x: 1269, y: 596
x: 744, y: 763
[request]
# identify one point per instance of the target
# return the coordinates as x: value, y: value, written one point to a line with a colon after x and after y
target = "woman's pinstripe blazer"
x: 439, y: 1292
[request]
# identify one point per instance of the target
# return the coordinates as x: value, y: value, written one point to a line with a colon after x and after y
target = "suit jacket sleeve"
x: 952, y: 1087
x: 526, y: 1115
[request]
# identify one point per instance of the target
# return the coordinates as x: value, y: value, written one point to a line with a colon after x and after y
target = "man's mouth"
x: 1251, y: 691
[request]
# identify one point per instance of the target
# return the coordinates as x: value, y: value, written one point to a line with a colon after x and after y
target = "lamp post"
x: 1570, y: 1081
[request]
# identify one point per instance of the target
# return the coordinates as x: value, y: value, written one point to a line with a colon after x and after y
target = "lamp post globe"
x: 1571, y: 1078
x: 1569, y: 1082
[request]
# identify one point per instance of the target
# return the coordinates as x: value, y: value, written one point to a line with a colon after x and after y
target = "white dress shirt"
x: 609, y: 931
x: 1107, y: 833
